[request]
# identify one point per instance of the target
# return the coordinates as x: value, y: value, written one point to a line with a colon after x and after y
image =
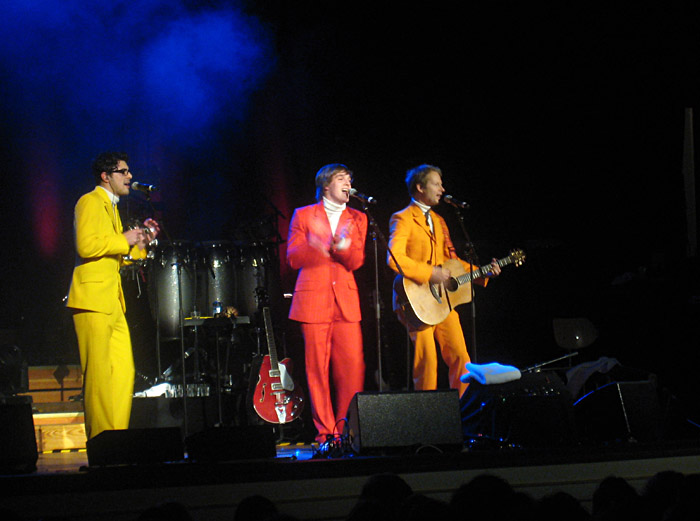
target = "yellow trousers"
x: 453, y: 349
x: 107, y: 364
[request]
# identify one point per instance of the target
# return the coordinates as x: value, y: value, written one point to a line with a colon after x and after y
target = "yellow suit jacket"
x: 416, y: 249
x: 101, y: 247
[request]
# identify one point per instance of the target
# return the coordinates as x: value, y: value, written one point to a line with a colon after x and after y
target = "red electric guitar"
x: 277, y: 398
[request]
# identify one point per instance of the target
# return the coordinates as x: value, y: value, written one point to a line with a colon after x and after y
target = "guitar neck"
x: 482, y: 271
x: 269, y: 335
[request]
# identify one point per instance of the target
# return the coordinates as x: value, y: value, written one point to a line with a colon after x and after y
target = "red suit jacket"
x: 323, y: 279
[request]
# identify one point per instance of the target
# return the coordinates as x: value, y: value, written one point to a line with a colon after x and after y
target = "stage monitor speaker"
x: 232, y: 443
x: 18, y: 449
x: 135, y: 446
x: 534, y: 411
x: 620, y: 411
x: 402, y: 421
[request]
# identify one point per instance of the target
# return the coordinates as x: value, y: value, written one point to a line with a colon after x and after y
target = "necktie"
x: 117, y: 220
x: 429, y: 221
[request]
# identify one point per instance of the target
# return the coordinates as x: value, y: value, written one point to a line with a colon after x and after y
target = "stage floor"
x: 72, y: 461
x: 323, y: 488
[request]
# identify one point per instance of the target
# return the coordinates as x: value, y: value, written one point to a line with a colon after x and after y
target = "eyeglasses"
x: 123, y: 171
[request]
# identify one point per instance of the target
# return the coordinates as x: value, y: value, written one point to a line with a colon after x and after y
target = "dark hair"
x: 106, y: 162
x: 417, y: 176
x: 325, y: 174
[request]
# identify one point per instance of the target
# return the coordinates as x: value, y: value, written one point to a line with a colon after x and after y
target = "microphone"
x: 454, y: 202
x: 143, y: 187
x: 362, y: 197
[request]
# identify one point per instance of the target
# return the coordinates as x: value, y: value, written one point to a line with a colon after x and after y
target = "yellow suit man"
x: 96, y: 296
x: 420, y: 241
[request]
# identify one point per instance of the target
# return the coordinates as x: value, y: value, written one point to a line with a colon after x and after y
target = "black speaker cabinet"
x: 135, y: 446
x: 534, y: 411
x: 402, y: 421
x: 232, y: 443
x: 620, y: 411
x: 18, y: 449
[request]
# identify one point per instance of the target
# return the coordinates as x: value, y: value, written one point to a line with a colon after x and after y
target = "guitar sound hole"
x: 451, y: 284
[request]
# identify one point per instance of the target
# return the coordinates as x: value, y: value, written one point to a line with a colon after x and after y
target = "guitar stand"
x: 280, y: 428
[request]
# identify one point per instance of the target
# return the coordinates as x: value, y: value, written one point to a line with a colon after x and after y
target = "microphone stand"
x: 472, y: 258
x: 376, y: 232
x: 183, y: 355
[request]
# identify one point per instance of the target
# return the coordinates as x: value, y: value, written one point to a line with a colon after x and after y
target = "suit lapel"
x: 112, y: 212
x: 344, y: 224
x: 320, y: 216
x: 419, y: 218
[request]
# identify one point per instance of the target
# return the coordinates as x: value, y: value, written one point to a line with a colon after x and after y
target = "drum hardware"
x: 175, y: 294
x: 172, y: 287
x: 254, y: 270
x: 194, y: 390
x: 170, y: 390
x: 168, y: 373
x: 180, y: 300
x: 178, y: 266
x: 221, y: 283
x: 220, y: 324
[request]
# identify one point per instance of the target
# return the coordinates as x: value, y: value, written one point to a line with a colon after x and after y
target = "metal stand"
x: 473, y: 259
x: 536, y: 368
x: 377, y: 233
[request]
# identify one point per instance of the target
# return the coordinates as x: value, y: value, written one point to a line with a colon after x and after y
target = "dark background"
x: 561, y: 125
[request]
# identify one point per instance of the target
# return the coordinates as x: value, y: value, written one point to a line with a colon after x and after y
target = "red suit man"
x: 327, y: 243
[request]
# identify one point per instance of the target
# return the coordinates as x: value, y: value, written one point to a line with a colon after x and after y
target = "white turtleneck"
x: 333, y: 211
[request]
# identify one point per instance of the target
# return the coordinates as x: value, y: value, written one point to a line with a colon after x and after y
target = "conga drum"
x: 172, y: 286
x: 220, y: 276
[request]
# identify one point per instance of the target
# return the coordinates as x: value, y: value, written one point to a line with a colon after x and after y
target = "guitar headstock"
x: 517, y: 257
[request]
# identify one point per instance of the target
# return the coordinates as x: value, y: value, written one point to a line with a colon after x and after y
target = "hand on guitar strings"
x: 440, y: 274
x: 495, y: 268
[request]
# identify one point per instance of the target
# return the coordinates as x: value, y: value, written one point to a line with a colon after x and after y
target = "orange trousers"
x: 453, y: 349
x: 335, y: 371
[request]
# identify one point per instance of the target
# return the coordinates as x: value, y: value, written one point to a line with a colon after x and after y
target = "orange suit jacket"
x: 416, y: 249
x: 323, y: 279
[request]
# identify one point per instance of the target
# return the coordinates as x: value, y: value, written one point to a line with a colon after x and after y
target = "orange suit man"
x: 420, y: 241
x: 326, y: 244
x: 96, y: 296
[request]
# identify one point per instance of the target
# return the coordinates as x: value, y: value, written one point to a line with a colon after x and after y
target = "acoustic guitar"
x: 277, y: 398
x: 424, y: 305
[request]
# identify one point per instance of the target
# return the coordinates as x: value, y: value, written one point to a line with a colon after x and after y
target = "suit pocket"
x: 91, y: 279
x: 306, y: 285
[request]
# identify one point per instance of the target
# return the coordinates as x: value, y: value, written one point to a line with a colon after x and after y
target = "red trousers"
x: 335, y: 371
